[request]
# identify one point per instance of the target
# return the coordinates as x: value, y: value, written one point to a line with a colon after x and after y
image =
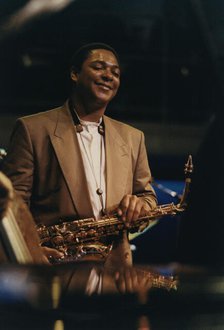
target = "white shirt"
x: 92, y: 148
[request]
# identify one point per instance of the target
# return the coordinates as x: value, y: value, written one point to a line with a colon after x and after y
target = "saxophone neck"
x: 188, y: 170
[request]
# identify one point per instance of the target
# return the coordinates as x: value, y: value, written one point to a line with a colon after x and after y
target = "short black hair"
x: 83, y: 52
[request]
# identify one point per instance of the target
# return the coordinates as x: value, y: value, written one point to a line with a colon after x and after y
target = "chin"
x: 104, y: 99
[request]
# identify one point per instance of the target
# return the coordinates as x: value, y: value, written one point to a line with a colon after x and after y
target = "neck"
x: 89, y: 111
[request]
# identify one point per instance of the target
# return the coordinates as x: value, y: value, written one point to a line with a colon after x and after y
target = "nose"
x: 107, y: 74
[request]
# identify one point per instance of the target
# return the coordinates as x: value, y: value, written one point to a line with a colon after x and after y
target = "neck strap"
x: 76, y: 120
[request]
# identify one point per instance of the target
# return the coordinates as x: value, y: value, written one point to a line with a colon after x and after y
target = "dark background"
x: 172, y: 65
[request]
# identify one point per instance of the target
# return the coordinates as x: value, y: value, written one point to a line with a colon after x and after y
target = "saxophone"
x: 79, y: 238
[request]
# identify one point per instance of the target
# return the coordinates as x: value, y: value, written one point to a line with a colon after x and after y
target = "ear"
x: 74, y: 76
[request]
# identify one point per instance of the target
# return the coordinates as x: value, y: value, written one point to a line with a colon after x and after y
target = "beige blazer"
x: 45, y: 165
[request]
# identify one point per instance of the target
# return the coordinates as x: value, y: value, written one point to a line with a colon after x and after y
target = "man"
x: 74, y: 162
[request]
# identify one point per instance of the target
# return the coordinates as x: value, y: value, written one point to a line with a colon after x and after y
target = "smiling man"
x: 73, y: 162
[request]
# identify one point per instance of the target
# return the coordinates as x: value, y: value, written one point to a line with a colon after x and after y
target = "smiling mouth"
x: 104, y: 86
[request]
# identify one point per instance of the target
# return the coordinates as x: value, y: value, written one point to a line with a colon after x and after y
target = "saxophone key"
x: 57, y: 240
x: 69, y: 237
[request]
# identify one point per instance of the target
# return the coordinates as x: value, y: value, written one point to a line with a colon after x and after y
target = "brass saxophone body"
x: 82, y: 237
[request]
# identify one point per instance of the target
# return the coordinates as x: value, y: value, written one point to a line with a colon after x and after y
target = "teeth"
x: 104, y: 87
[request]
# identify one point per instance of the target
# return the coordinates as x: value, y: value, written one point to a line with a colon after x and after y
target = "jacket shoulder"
x: 41, y: 116
x: 123, y: 127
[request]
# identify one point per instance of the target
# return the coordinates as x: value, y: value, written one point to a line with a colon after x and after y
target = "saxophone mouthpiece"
x: 189, y: 166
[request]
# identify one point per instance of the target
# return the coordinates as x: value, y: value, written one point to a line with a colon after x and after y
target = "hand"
x: 51, y: 254
x: 129, y: 280
x: 131, y: 208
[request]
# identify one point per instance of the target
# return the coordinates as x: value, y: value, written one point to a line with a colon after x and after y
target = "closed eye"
x: 116, y: 73
x: 97, y: 66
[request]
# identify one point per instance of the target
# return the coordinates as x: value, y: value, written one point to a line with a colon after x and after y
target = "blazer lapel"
x: 117, y: 168
x: 67, y: 149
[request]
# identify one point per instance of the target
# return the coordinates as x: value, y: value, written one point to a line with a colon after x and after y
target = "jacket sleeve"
x: 142, y: 176
x: 18, y: 164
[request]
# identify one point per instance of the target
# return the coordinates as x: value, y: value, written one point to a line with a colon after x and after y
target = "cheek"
x: 117, y: 85
x: 85, y: 82
x: 118, y: 82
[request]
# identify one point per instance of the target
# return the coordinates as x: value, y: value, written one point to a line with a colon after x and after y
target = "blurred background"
x: 172, y: 57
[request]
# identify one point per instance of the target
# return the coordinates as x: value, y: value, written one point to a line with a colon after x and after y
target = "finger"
x: 128, y: 280
x: 52, y: 253
x: 145, y: 281
x: 120, y: 282
x: 148, y: 283
x: 135, y: 210
x: 45, y: 260
x: 145, y: 209
x: 119, y: 212
x: 134, y: 280
x: 123, y: 206
x: 141, y: 210
x: 131, y: 208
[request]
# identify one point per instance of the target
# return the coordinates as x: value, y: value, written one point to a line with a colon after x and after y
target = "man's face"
x: 99, y: 77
